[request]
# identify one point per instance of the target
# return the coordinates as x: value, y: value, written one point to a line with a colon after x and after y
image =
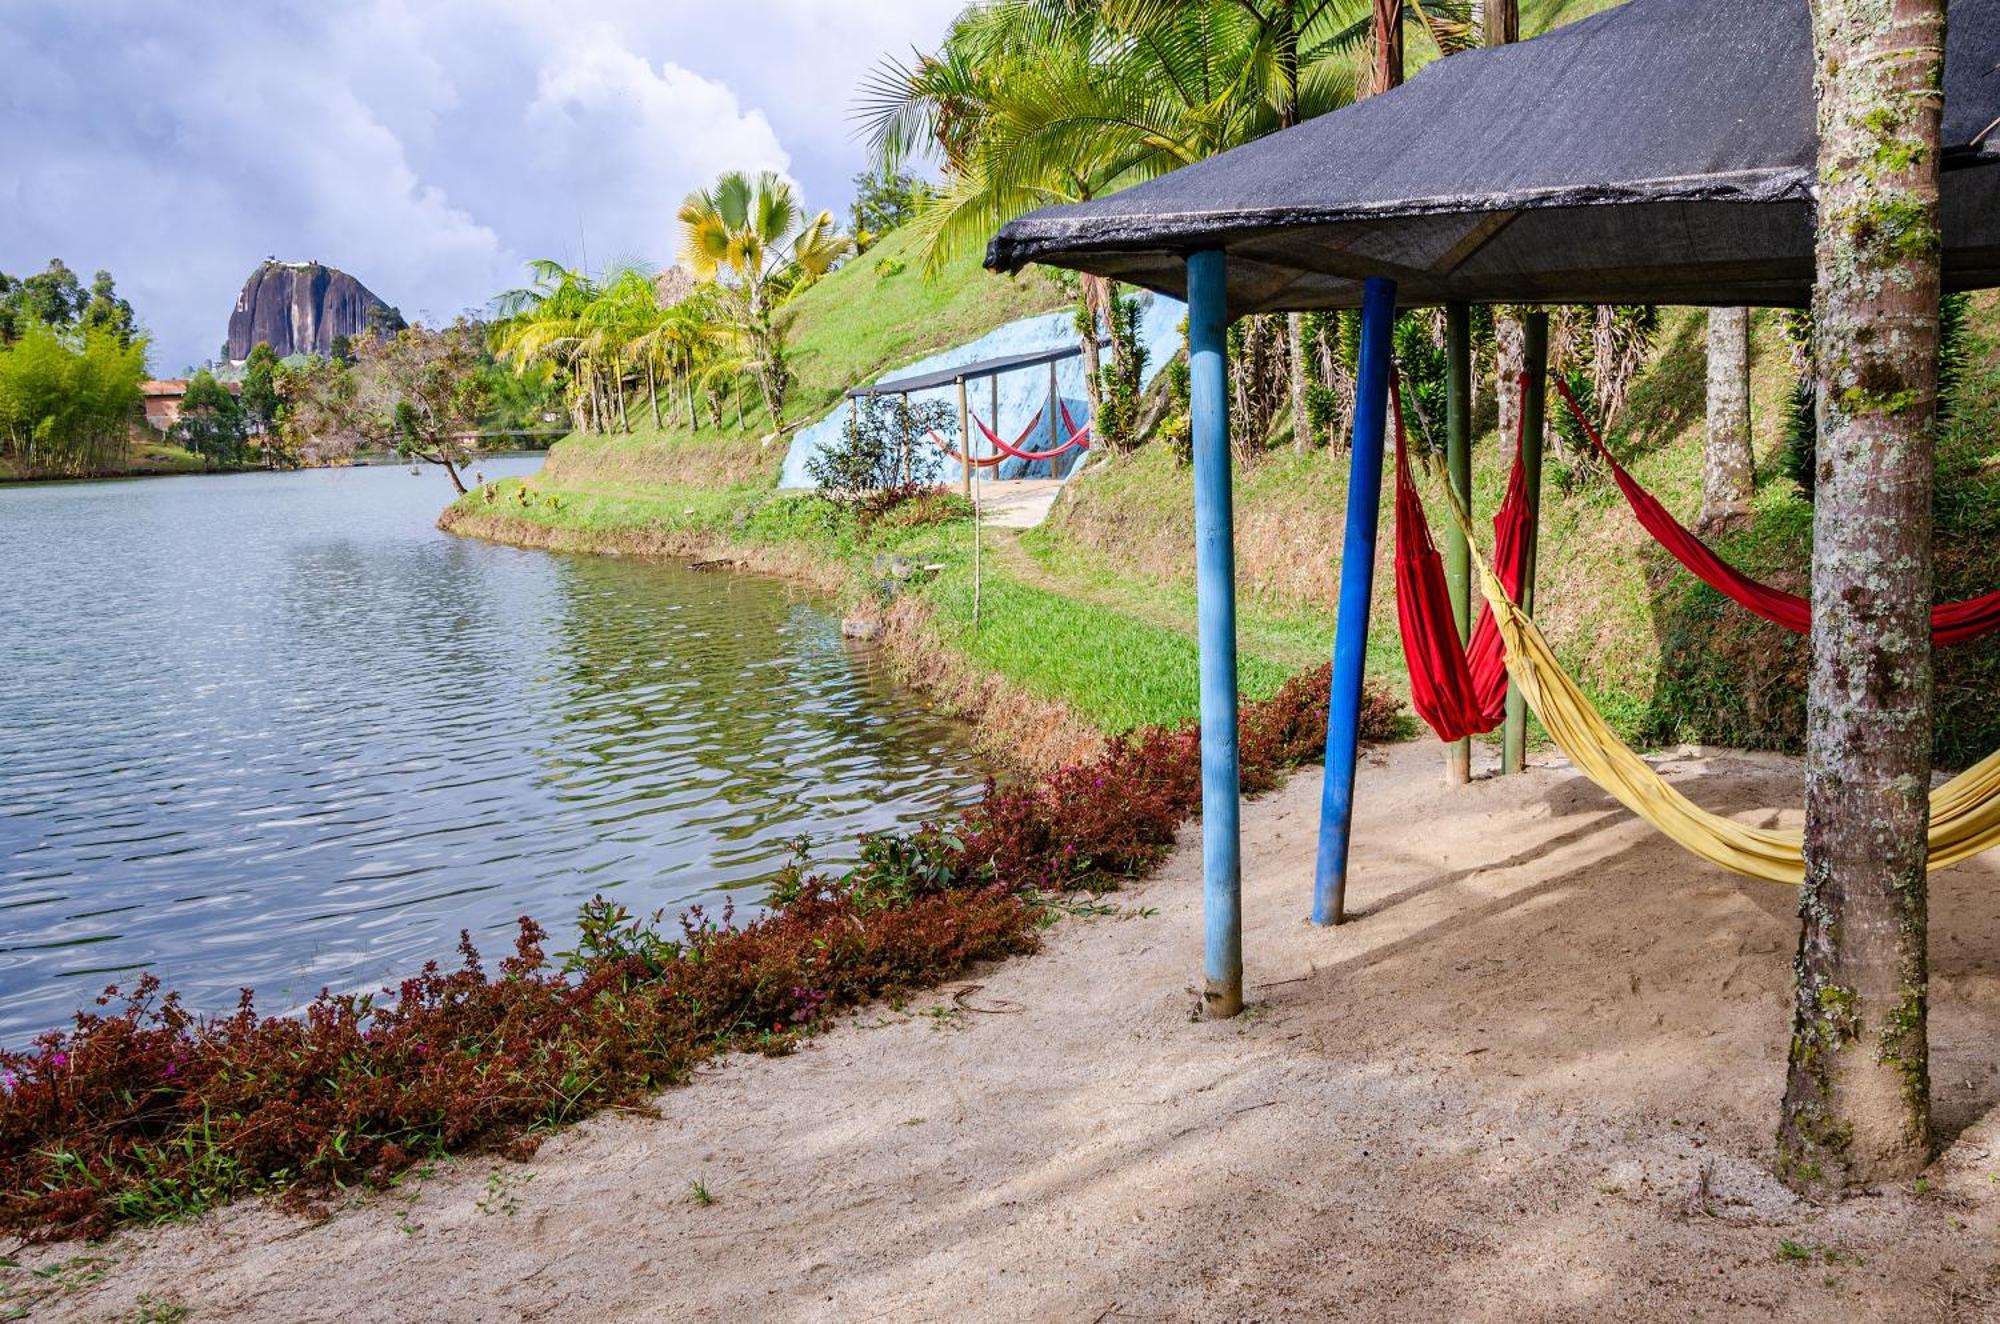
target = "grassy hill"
x: 873, y: 314
x: 1094, y: 612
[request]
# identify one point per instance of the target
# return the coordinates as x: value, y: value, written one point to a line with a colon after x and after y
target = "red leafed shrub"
x: 142, y: 1111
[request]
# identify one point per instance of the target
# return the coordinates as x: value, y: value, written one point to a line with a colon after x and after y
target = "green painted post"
x: 1458, y: 460
x: 1534, y: 415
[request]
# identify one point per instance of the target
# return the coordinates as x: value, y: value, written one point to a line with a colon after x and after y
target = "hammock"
x: 1965, y: 811
x: 1077, y: 437
x: 946, y: 447
x: 1951, y: 622
x: 1459, y: 688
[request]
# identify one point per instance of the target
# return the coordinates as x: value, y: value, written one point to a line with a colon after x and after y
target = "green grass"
x: 1117, y: 671
x: 851, y: 327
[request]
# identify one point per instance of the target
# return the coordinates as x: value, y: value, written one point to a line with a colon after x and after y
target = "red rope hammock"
x: 1077, y: 437
x: 1951, y: 622
x: 945, y: 446
x: 1460, y: 689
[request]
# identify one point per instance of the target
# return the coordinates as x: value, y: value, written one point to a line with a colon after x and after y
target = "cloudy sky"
x: 429, y: 147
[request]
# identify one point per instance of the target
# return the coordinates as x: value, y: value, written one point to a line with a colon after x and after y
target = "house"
x: 161, y: 399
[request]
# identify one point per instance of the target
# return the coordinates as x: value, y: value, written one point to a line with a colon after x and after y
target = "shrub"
x: 883, y: 445
x: 143, y: 1112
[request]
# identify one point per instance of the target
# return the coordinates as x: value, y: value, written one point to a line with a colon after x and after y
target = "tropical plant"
x: 211, y: 422
x: 753, y: 238
x: 68, y: 399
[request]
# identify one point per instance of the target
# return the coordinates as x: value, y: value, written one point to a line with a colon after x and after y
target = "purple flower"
x: 8, y: 1081
x: 58, y: 1059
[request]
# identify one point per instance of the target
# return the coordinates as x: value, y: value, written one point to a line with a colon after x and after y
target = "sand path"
x: 1537, y: 1080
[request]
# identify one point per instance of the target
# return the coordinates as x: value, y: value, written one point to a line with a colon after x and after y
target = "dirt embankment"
x: 1016, y: 730
x: 1535, y: 1080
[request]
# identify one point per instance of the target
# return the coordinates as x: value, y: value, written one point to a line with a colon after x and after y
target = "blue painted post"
x: 1357, y: 585
x: 1215, y: 585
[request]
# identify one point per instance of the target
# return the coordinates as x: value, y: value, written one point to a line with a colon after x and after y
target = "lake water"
x: 277, y: 731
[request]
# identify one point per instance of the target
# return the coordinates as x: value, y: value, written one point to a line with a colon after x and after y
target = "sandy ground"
x: 1537, y: 1080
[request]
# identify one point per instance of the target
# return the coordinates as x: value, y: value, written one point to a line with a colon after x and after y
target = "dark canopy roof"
x: 925, y: 381
x: 1660, y: 152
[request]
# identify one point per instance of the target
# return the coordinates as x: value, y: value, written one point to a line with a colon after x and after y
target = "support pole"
x: 1458, y: 463
x: 994, y: 422
x: 1357, y: 586
x: 964, y: 444
x: 1215, y: 582
x: 1055, y: 414
x: 1534, y: 416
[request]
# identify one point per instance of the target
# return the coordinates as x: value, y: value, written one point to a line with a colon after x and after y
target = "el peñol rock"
x: 299, y: 307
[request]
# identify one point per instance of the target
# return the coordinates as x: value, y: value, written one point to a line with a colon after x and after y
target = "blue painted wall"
x: 1021, y: 393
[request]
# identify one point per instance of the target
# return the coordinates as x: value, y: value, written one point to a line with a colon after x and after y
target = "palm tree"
x: 1034, y: 102
x: 753, y: 237
x: 543, y: 322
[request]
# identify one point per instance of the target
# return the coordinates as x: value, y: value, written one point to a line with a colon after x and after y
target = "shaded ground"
x: 1537, y: 1080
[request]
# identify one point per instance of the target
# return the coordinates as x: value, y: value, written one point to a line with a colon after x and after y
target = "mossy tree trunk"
x: 1295, y: 334
x: 1857, y: 1094
x: 1728, y: 468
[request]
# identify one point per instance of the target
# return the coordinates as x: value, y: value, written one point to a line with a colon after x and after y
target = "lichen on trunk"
x: 1857, y: 1107
x: 1728, y: 476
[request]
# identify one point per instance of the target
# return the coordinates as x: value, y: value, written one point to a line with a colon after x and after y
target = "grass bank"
x: 143, y: 459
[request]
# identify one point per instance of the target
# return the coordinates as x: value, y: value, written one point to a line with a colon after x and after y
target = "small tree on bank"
x: 211, y: 421
x: 885, y: 444
x: 419, y: 392
x: 1857, y: 1092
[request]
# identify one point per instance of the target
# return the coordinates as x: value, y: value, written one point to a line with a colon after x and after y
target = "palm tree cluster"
x: 1028, y: 103
x: 747, y: 248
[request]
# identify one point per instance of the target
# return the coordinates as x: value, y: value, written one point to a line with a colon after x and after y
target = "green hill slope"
x: 875, y: 313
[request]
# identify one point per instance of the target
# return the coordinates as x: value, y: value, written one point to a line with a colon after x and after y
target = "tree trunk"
x: 1728, y: 468
x: 618, y: 385
x: 1295, y: 332
x: 1857, y: 1093
x: 451, y: 471
x: 1086, y: 314
x: 1510, y: 357
x: 1388, y: 46
x: 1502, y: 21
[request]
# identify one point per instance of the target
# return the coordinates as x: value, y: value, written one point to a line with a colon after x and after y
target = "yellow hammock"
x: 1965, y: 811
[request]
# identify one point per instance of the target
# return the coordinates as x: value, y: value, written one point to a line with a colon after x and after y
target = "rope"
x: 1951, y: 622
x: 1077, y: 438
x: 1965, y: 811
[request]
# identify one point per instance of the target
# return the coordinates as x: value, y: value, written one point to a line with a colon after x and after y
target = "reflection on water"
x: 277, y: 731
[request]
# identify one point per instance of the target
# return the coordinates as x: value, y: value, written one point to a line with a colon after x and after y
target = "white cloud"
x: 426, y: 146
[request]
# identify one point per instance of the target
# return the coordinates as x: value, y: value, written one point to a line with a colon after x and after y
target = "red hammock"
x: 947, y: 449
x: 1077, y: 437
x: 1460, y: 689
x: 1951, y: 622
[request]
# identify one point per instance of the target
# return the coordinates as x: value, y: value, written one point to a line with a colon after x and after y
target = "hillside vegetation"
x: 1094, y: 612
x: 871, y: 315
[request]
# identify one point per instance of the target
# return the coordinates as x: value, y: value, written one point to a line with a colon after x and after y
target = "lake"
x: 277, y: 731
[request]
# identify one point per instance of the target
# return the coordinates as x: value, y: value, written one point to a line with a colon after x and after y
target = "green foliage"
x: 1801, y: 438
x: 68, y: 399
x: 884, y: 444
x: 212, y: 422
x: 259, y: 398
x: 884, y: 200
x: 1118, y: 379
x: 1420, y: 356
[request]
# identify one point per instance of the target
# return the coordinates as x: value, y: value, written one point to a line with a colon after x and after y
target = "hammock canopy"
x: 1660, y: 152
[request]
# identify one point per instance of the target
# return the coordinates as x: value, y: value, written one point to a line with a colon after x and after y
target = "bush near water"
x: 142, y: 1112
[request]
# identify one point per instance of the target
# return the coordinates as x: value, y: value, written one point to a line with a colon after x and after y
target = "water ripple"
x: 276, y: 731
